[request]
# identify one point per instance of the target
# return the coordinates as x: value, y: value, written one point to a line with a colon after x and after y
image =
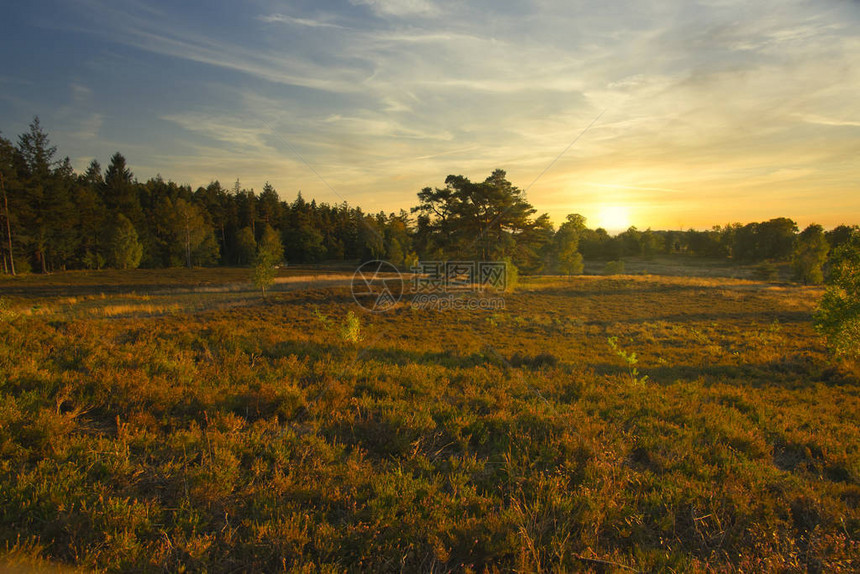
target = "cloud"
x: 720, y: 99
x: 238, y: 133
x: 90, y: 126
x: 399, y: 8
x: 825, y: 121
x: 123, y: 23
x: 80, y: 93
x: 307, y: 22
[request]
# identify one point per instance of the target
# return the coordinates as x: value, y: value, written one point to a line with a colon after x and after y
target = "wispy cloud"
x: 826, y: 121
x: 400, y: 8
x: 307, y: 22
x: 123, y: 23
x: 718, y: 99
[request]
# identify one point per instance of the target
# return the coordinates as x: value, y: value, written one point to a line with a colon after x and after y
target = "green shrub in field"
x: 630, y: 361
x: 321, y: 317
x: 838, y: 315
x: 350, y: 329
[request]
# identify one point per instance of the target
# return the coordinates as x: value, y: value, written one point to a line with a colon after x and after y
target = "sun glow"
x: 613, y: 218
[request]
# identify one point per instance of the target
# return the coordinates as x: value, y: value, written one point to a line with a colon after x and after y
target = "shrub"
x: 838, y: 315
x: 350, y: 330
x: 630, y: 361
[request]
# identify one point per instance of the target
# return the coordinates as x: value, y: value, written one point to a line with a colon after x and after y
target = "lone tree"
x: 487, y: 220
x: 270, y: 252
x: 838, y: 315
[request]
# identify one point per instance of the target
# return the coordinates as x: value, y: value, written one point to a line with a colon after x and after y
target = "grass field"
x: 169, y: 423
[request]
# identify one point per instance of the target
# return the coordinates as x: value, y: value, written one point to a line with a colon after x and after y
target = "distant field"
x: 162, y: 421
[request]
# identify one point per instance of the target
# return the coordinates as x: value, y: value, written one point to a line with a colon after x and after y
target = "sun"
x: 614, y: 218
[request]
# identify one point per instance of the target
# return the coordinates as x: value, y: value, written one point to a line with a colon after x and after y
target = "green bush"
x: 350, y: 330
x: 838, y: 315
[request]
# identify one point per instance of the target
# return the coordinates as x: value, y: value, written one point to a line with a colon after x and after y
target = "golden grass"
x: 168, y: 430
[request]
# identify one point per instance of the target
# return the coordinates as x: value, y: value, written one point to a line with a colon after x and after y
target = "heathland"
x: 175, y: 420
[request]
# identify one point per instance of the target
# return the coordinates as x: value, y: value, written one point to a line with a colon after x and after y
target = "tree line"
x: 56, y: 219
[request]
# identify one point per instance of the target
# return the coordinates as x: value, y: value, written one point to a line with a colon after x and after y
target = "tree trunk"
x: 8, y: 227
x: 223, y: 246
x: 187, y: 244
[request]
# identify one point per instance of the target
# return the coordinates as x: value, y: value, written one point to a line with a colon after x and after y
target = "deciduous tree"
x: 566, y: 245
x: 125, y: 250
x: 810, y: 254
x: 838, y: 315
x: 270, y: 253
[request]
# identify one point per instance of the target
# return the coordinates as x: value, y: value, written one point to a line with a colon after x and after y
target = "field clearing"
x: 174, y: 422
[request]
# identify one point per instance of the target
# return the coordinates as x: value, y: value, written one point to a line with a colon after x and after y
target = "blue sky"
x: 712, y: 111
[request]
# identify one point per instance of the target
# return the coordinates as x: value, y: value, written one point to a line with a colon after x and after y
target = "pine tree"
x: 91, y: 217
x: 38, y: 162
x: 119, y: 192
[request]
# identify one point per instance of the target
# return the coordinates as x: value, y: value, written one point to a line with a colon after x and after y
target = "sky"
x: 665, y: 114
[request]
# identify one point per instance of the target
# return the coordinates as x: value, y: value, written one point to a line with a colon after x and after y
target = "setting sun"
x: 613, y: 218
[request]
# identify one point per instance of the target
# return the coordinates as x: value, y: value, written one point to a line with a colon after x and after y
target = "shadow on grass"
x: 791, y: 371
x: 710, y: 317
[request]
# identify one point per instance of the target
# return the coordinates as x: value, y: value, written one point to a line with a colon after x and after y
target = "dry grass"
x: 212, y: 431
